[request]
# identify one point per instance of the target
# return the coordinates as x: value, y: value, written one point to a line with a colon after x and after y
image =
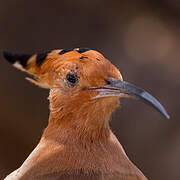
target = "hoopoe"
x: 78, y: 143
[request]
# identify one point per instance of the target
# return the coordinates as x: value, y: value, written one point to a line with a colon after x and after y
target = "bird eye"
x: 72, y: 79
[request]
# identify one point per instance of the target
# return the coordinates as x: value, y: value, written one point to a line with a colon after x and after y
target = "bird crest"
x: 41, y: 65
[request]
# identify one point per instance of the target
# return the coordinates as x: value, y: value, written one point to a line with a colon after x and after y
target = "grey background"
x: 140, y: 37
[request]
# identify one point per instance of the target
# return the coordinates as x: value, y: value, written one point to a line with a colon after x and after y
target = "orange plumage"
x: 77, y: 143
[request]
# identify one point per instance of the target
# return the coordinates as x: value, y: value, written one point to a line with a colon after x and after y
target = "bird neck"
x: 79, y: 120
x: 83, y: 124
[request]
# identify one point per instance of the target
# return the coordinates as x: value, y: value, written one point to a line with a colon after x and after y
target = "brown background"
x: 141, y: 37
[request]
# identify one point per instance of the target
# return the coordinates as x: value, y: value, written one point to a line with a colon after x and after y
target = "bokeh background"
x: 141, y: 37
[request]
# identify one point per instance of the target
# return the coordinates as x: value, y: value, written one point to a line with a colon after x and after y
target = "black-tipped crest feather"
x: 20, y: 61
x: 41, y: 57
x: 13, y: 57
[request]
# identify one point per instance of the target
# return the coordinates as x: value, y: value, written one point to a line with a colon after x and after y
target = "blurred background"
x: 141, y: 37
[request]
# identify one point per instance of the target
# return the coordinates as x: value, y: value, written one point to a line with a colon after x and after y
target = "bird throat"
x: 79, y: 120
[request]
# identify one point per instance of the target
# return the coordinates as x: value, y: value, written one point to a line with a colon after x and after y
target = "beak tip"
x: 167, y: 116
x: 164, y: 113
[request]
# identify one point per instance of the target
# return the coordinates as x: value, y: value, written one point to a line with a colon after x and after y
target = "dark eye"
x: 72, y: 78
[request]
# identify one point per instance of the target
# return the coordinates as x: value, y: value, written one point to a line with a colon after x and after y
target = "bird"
x: 78, y: 143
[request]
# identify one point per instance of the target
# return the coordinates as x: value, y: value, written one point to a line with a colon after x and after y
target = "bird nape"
x: 84, y: 91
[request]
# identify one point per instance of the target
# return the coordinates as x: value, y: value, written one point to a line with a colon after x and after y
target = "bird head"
x: 82, y: 82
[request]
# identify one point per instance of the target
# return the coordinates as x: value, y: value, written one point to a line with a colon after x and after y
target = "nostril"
x: 111, y: 80
x: 108, y: 82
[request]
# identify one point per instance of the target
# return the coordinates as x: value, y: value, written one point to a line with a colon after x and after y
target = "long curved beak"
x: 120, y: 88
